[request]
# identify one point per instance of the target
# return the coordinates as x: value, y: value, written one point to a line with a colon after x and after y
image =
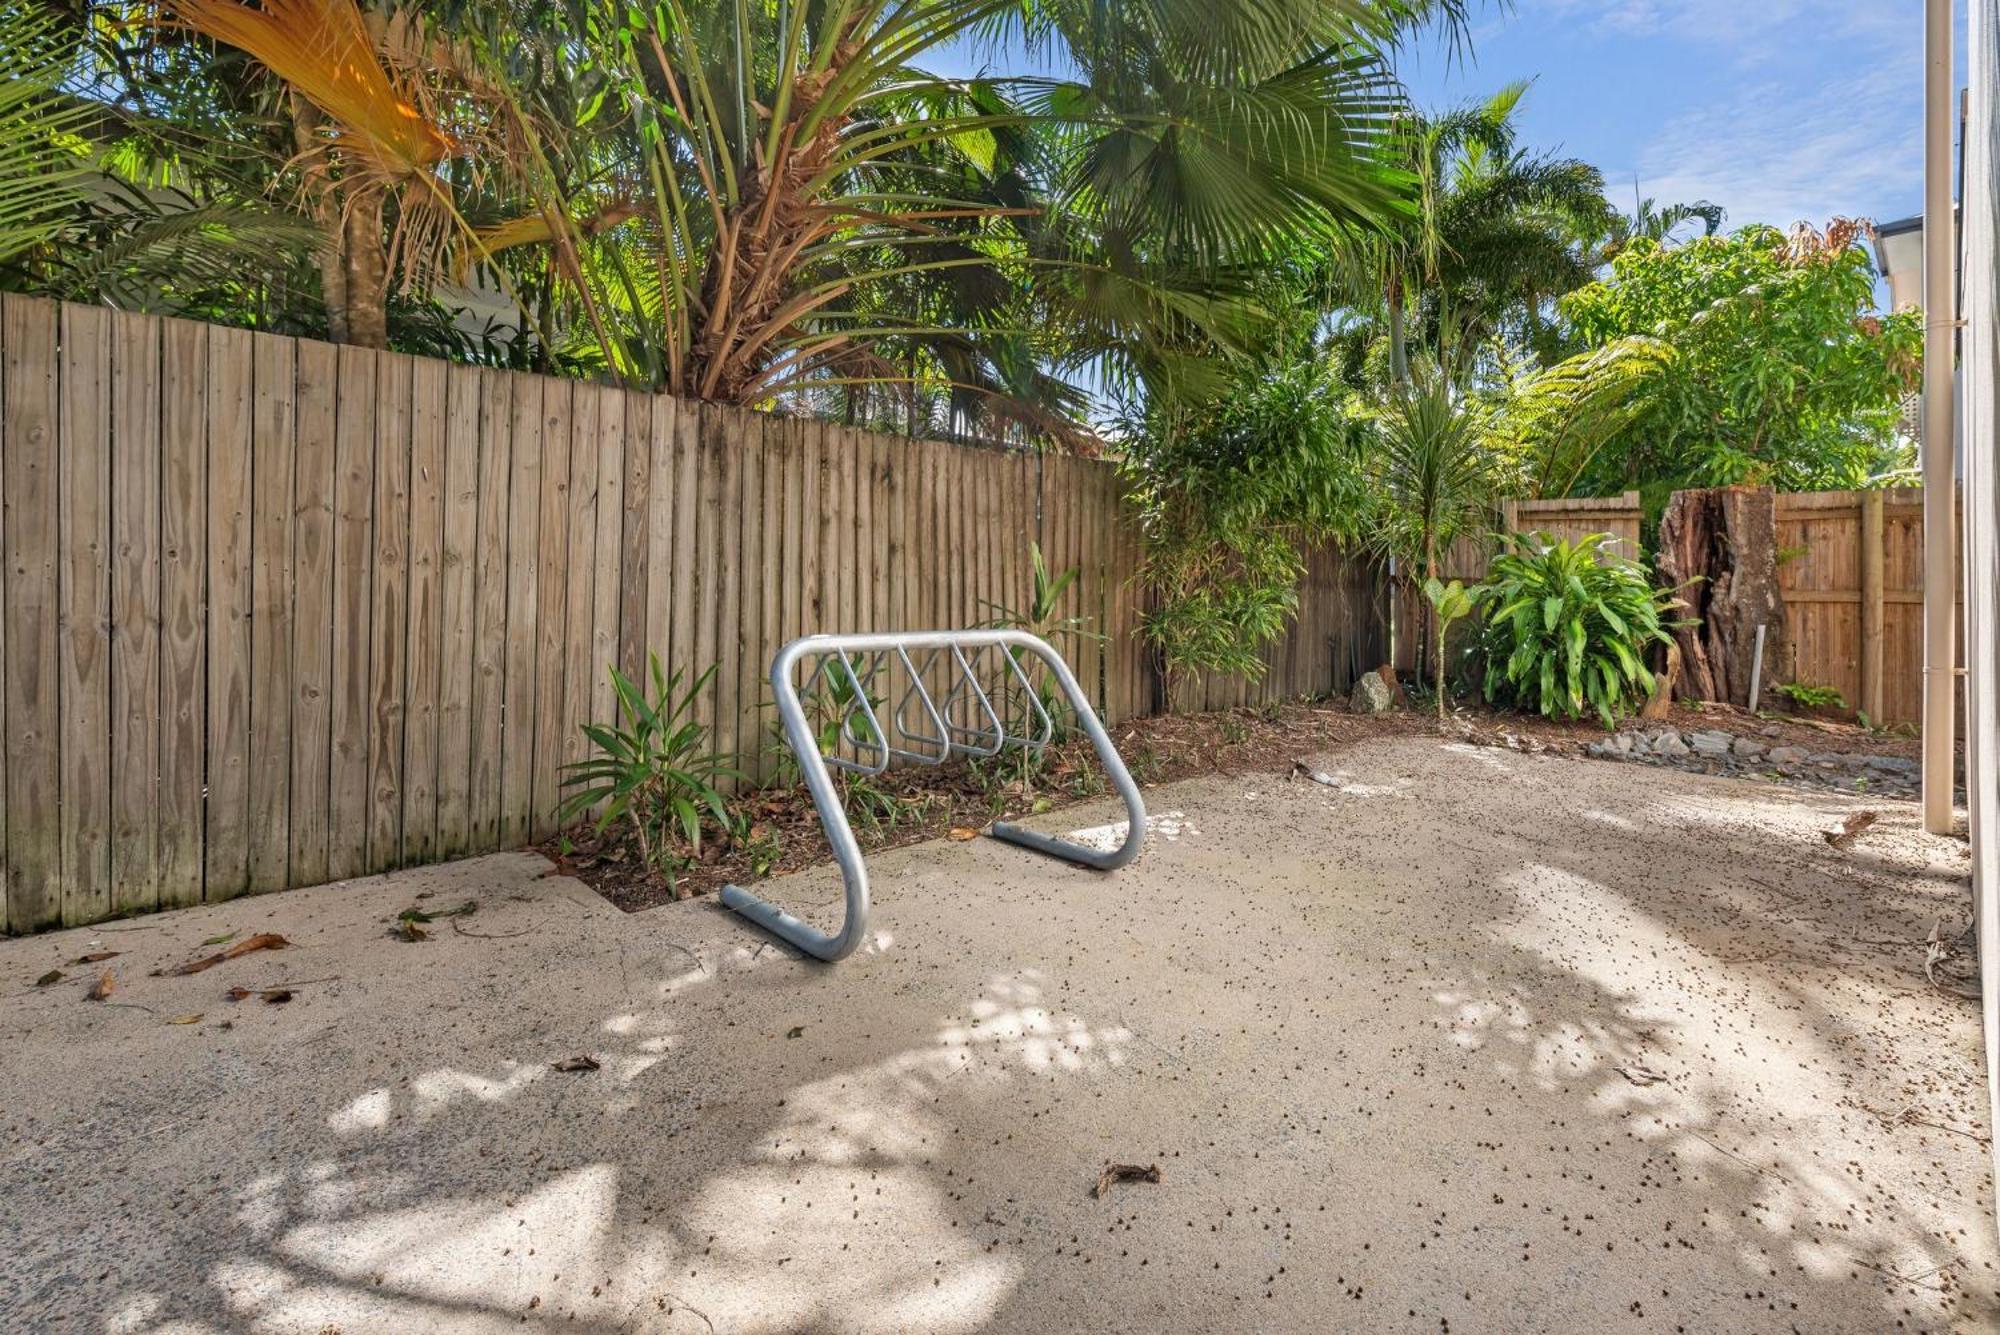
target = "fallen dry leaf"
x: 1125, y: 1172
x: 218, y: 940
x: 261, y: 941
x: 186, y: 1019
x: 274, y: 996
x: 408, y: 930
x: 963, y: 833
x: 1641, y: 1075
x: 52, y: 976
x: 586, y: 1062
x: 796, y: 1031
x: 103, y: 987
x: 1849, y: 830
x: 97, y: 957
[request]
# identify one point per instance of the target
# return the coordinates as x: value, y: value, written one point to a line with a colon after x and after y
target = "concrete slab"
x: 1476, y: 1041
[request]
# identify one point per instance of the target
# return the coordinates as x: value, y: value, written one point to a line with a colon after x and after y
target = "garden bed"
x: 920, y: 804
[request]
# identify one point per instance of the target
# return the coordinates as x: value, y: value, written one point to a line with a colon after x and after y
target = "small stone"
x: 1746, y: 748
x: 1894, y: 765
x: 1371, y: 695
x: 1621, y: 743
x: 1710, y: 743
x: 1670, y: 744
x: 1785, y: 757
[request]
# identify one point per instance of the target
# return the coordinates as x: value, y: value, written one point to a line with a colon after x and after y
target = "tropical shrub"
x: 1568, y: 627
x: 653, y: 771
x: 1783, y: 373
x: 1232, y: 488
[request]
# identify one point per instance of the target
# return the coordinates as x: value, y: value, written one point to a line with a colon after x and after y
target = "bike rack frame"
x: 947, y: 665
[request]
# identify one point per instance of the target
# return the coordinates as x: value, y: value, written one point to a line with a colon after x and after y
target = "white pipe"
x: 1757, y: 668
x: 1940, y: 514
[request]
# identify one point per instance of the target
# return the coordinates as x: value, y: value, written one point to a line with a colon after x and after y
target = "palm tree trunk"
x: 1399, y: 359
x: 365, y: 258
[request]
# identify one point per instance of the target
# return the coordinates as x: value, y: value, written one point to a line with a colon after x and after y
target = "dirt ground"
x: 1473, y: 1040
x: 931, y: 803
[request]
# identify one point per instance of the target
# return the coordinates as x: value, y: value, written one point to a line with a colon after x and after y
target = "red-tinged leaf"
x: 103, y: 987
x: 97, y: 957
x: 261, y: 941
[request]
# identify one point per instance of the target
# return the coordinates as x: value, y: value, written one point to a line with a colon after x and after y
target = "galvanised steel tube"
x: 833, y: 815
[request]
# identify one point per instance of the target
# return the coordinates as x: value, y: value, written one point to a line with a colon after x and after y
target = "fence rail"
x: 274, y: 612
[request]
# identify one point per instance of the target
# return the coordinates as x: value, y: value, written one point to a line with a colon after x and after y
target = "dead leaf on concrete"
x: 97, y: 957
x: 407, y: 930
x: 1319, y: 776
x: 103, y: 987
x: 963, y: 833
x: 1125, y: 1172
x: 796, y: 1031
x: 416, y: 914
x: 218, y: 939
x: 273, y: 996
x: 261, y: 941
x: 1641, y: 1075
x: 1850, y: 829
x: 186, y: 1019
x: 586, y: 1062
x: 52, y: 976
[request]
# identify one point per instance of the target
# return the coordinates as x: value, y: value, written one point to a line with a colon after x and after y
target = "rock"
x: 1670, y: 744
x: 1710, y: 743
x: 1621, y: 743
x: 1371, y: 695
x: 1746, y: 748
x: 1785, y: 757
x: 1894, y: 765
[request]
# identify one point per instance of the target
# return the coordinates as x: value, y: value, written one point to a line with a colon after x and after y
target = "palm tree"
x: 1651, y: 220
x: 746, y: 199
x: 1489, y: 241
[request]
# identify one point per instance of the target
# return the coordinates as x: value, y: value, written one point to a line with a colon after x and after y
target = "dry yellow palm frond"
x: 536, y: 229
x: 322, y: 48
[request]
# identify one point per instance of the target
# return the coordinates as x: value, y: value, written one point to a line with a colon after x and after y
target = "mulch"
x: 935, y: 803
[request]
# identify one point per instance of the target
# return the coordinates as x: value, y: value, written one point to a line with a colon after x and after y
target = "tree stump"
x: 1718, y: 553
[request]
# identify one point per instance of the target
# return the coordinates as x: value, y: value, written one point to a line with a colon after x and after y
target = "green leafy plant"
x: 653, y: 771
x: 1232, y: 488
x: 1806, y: 695
x: 1449, y: 603
x: 1568, y: 627
x: 828, y: 707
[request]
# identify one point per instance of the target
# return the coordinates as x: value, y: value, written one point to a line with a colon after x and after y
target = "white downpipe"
x: 1940, y: 326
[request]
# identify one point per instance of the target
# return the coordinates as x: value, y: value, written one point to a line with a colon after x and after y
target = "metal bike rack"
x: 962, y: 693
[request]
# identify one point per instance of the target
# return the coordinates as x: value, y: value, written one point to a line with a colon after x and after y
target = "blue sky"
x: 1778, y: 110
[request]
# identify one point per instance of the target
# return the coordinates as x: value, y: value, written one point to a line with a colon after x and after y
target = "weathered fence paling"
x: 274, y: 612
x: 1850, y: 565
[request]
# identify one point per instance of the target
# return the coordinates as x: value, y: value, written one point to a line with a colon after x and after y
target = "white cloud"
x: 1748, y: 30
x: 1774, y: 152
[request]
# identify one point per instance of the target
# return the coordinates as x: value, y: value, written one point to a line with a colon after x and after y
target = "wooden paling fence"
x: 274, y: 612
x: 1851, y: 565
